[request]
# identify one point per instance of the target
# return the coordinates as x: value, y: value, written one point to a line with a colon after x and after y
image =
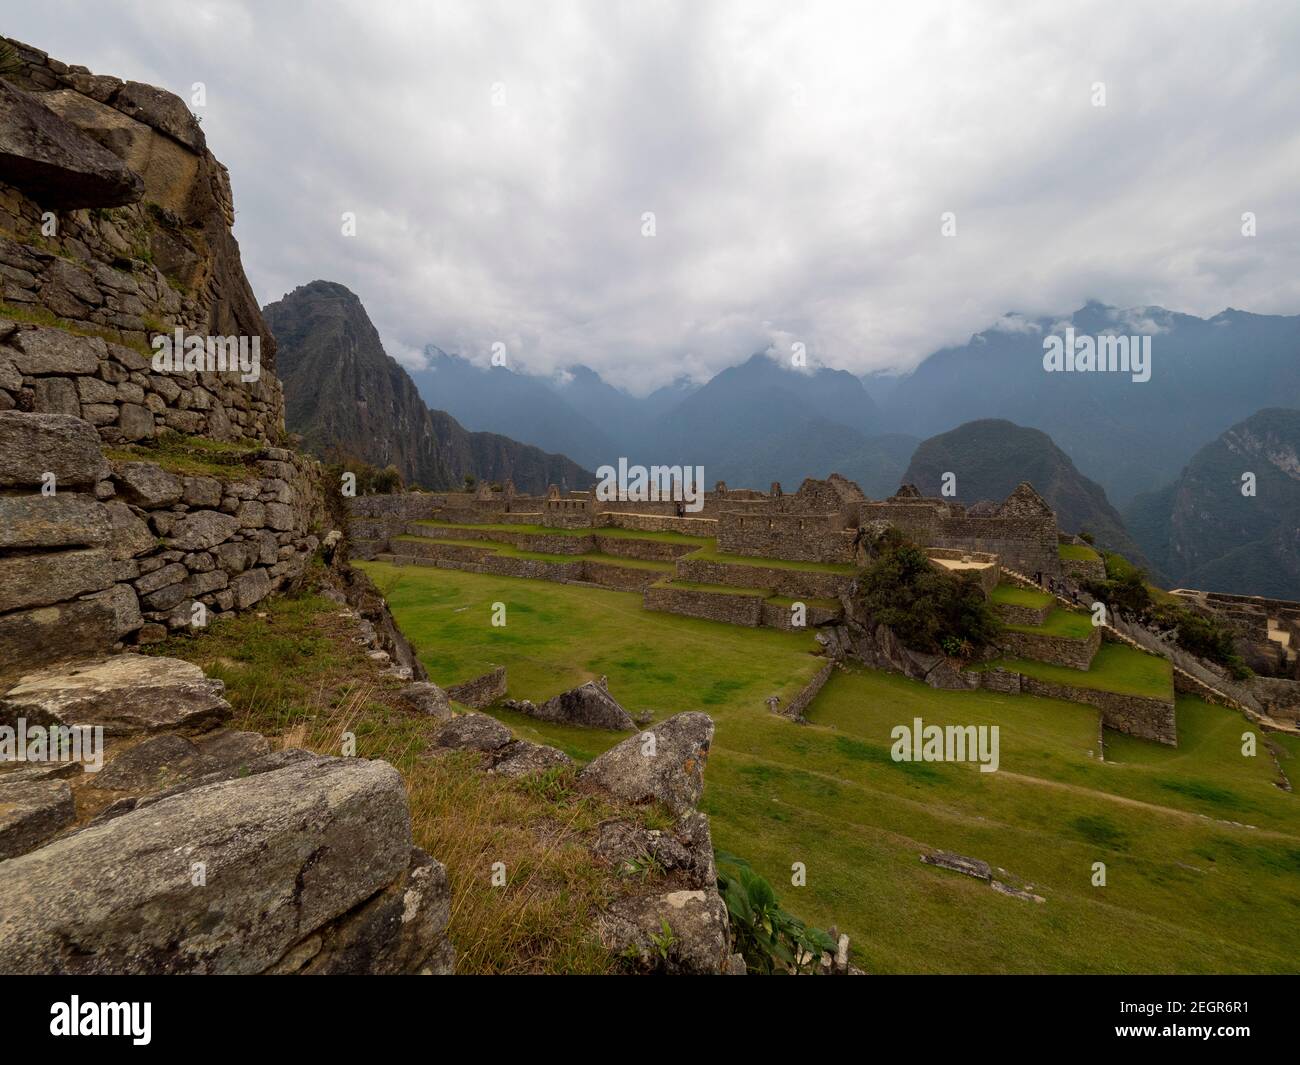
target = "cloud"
x: 798, y: 160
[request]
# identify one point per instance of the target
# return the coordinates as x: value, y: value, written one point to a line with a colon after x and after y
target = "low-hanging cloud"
x: 799, y: 161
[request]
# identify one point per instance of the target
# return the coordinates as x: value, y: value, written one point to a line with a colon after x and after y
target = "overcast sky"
x: 798, y: 159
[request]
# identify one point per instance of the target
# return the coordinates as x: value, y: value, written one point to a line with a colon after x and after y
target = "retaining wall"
x: 715, y: 606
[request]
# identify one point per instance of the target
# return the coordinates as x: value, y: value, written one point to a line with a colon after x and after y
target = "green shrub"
x: 771, y: 940
x: 371, y: 480
x: 928, y: 609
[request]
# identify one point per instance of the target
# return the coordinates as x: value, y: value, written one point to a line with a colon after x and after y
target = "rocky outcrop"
x: 874, y: 644
x: 588, y: 705
x: 477, y: 732
x: 214, y: 855
x: 119, y: 275
x: 121, y: 694
x: 664, y: 764
x: 522, y: 758
x: 51, y: 159
x: 679, y: 932
x: 274, y: 856
x: 361, y: 594
x: 423, y: 697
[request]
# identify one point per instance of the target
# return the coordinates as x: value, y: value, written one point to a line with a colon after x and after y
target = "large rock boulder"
x: 123, y: 693
x: 399, y: 931
x: 589, y: 706
x: 685, y: 849
x: 425, y: 697
x: 69, y: 630
x: 680, y: 932
x: 523, y: 758
x: 664, y: 764
x: 54, y: 162
x: 478, y: 732
x: 226, y: 878
x: 168, y: 758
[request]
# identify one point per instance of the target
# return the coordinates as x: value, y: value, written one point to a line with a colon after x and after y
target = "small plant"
x: 770, y: 939
x: 645, y: 867
x: 664, y: 940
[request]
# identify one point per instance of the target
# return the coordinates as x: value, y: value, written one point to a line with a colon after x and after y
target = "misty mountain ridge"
x: 760, y: 421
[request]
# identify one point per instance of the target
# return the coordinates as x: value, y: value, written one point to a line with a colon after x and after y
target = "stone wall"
x: 800, y: 703
x: 124, y: 260
x: 122, y: 550
x: 793, y: 537
x: 1148, y: 719
x: 714, y: 606
x: 115, y: 227
x: 1279, y: 697
x: 690, y: 526
x: 1057, y: 650
x: 1022, y: 533
x: 794, y: 583
x: 481, y: 691
x: 1015, y: 614
x: 1083, y: 569
x: 777, y: 615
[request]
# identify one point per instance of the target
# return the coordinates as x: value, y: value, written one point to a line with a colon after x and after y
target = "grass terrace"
x: 1188, y: 889
x: 1067, y: 623
x: 1015, y: 595
x: 193, y: 456
x: 1077, y: 553
x: 1116, y: 668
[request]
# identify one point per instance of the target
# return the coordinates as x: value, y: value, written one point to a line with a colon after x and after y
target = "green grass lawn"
x: 1059, y: 622
x: 1077, y: 553
x: 1015, y: 595
x: 1116, y: 668
x: 1187, y: 890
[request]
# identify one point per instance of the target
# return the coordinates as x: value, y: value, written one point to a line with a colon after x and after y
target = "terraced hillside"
x: 1201, y: 847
